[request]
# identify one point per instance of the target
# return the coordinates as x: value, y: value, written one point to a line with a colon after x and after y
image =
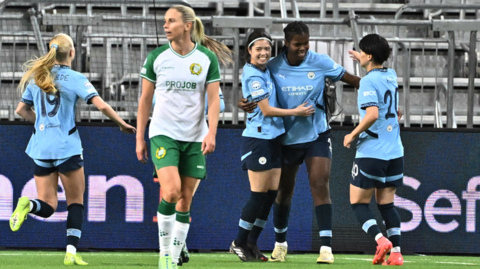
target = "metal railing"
x: 133, y: 48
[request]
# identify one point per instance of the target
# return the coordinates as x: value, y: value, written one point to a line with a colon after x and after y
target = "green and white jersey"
x: 180, y: 85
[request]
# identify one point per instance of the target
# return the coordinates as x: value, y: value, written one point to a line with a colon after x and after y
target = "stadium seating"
x: 112, y: 62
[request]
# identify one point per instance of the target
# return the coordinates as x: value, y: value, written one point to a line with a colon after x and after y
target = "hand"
x: 141, y: 150
x: 355, y: 55
x: 247, y: 107
x: 399, y: 113
x: 349, y: 138
x: 128, y: 129
x: 208, y: 144
x: 304, y: 111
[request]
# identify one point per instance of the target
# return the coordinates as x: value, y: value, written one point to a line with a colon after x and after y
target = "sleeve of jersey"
x: 257, y: 88
x: 84, y: 89
x: 332, y: 70
x: 213, y: 70
x: 367, y: 94
x: 147, y: 71
x: 27, y: 97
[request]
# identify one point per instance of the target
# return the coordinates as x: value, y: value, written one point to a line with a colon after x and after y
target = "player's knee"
x: 320, y: 183
x: 183, y: 205
x: 284, y: 197
x: 171, y: 196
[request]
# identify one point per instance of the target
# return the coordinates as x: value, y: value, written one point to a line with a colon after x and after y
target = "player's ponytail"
x: 39, y: 70
x: 198, y: 35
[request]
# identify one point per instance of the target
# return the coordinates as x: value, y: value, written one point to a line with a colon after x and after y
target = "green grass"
x: 54, y: 259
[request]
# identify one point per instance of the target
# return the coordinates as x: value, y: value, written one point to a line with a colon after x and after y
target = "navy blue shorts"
x: 261, y: 154
x: 369, y: 173
x: 46, y: 167
x: 297, y: 153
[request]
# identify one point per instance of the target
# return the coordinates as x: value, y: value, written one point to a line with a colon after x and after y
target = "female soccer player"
x: 378, y: 165
x: 299, y: 76
x: 261, y: 147
x: 179, y: 72
x: 53, y: 89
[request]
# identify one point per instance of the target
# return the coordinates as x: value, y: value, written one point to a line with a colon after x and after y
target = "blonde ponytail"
x: 39, y: 70
x: 198, y: 35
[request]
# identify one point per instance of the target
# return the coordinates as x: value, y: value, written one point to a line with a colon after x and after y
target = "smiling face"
x: 297, y: 48
x: 260, y: 52
x: 175, y: 28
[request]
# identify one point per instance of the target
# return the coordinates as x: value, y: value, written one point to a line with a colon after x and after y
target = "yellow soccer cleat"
x: 71, y: 259
x: 279, y: 253
x: 325, y: 257
x: 20, y: 213
x: 166, y: 262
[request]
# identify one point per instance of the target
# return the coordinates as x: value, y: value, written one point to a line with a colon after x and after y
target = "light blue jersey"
x: 296, y: 85
x: 256, y: 86
x: 382, y: 140
x: 55, y: 135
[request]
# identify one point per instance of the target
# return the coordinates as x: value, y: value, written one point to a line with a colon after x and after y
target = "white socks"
x: 71, y: 249
x: 165, y: 227
x: 179, y: 236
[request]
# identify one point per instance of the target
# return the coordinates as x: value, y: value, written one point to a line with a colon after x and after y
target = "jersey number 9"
x: 54, y: 102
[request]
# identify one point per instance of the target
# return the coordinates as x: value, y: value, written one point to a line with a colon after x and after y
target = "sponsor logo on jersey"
x: 161, y: 152
x: 335, y: 66
x: 297, y: 90
x: 180, y: 85
x: 262, y: 160
x: 200, y: 167
x: 258, y: 93
x: 256, y: 85
x: 195, y: 69
x: 311, y: 75
x: 282, y: 76
x: 144, y: 70
x: 370, y: 93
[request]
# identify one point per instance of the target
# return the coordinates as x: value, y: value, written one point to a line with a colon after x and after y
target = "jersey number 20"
x: 391, y: 114
x: 54, y: 102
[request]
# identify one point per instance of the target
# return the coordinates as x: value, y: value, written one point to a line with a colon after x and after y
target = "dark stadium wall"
x: 438, y: 205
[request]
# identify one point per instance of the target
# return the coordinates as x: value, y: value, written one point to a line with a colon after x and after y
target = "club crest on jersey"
x: 311, y: 75
x: 161, y: 152
x: 262, y: 160
x: 195, y: 69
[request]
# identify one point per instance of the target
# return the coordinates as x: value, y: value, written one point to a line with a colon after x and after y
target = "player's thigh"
x: 359, y: 195
x: 286, y: 185
x: 72, y: 175
x: 192, y: 161
x: 318, y: 169
x: 262, y: 181
x: 47, y: 188
x: 394, y: 179
x: 165, y: 152
x: 385, y: 195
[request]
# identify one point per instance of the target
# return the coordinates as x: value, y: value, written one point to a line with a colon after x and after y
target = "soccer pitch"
x: 54, y: 259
